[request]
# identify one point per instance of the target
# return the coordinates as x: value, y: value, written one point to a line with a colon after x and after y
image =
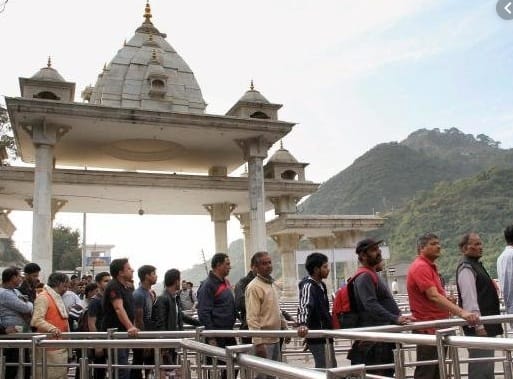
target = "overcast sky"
x: 352, y: 74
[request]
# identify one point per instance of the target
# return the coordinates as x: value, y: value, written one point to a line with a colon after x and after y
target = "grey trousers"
x: 319, y: 354
x: 480, y: 370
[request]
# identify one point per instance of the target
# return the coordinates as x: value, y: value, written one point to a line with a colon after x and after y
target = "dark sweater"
x: 374, y: 303
x: 216, y: 304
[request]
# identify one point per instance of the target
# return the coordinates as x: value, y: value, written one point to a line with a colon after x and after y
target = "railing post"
x: 186, y: 374
x: 508, y: 372
x: 230, y: 365
x: 84, y: 365
x: 199, y: 358
x: 2, y: 363
x: 441, y: 336
x: 399, y: 361
x: 35, y: 356
x: 110, y: 336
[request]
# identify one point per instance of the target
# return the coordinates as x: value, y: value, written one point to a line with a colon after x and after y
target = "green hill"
x: 483, y: 203
x: 388, y: 175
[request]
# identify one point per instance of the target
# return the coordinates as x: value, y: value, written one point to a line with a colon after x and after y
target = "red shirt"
x: 422, y: 275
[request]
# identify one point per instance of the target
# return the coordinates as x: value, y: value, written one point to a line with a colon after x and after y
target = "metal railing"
x: 193, y: 351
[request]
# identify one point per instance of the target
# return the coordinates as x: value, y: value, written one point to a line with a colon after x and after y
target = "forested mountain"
x: 388, y: 175
x: 483, y: 203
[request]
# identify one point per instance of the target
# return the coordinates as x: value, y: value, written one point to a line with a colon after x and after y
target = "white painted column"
x: 287, y: 245
x: 255, y: 150
x: 42, y: 212
x: 44, y: 137
x: 220, y: 214
x: 244, y: 225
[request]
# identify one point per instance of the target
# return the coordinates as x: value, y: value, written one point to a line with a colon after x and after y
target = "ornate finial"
x: 124, y: 42
x: 49, y: 64
x: 105, y: 66
x: 147, y: 12
x: 281, y: 144
x: 251, y: 86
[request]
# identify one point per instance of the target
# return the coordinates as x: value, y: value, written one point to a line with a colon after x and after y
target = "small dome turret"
x: 47, y: 84
x: 254, y: 105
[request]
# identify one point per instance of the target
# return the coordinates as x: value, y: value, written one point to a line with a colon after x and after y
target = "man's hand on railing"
x: 302, y: 331
x: 471, y: 318
x: 403, y: 320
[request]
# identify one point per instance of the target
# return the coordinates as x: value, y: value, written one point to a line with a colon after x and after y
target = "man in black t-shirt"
x: 95, y: 320
x: 118, y: 306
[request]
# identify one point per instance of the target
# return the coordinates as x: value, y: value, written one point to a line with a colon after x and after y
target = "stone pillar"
x: 255, y: 150
x: 244, y: 225
x: 44, y: 137
x: 348, y: 239
x: 220, y: 214
x: 287, y: 245
x: 327, y: 243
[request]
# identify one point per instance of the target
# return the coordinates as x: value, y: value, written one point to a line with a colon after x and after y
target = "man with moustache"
x: 263, y: 308
x: 375, y: 306
x: 50, y: 316
x: 428, y: 300
x: 477, y: 293
x: 118, y: 307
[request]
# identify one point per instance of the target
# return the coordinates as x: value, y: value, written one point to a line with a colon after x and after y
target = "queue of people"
x: 111, y: 301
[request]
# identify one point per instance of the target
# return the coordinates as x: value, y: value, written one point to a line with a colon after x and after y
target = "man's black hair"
x: 315, y: 260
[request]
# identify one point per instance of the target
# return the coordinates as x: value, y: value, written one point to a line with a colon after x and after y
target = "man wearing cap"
x: 30, y: 281
x: 375, y: 306
x: 428, y: 300
x: 477, y: 293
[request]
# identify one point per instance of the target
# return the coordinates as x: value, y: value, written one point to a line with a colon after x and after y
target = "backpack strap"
x: 363, y: 270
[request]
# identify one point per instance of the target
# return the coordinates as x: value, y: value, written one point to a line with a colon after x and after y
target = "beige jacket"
x: 263, y: 309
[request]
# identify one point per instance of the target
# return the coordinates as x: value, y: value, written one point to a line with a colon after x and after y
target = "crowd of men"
x: 66, y: 304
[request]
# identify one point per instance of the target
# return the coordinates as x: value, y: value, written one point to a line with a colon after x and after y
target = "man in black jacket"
x: 167, y: 312
x: 240, y: 301
x: 478, y: 294
x: 314, y: 308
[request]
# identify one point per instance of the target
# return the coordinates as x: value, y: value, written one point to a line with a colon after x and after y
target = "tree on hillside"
x: 6, y: 138
x: 67, y: 254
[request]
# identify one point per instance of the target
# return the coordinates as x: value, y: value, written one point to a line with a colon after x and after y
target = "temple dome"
x: 282, y: 156
x: 147, y: 73
x: 48, y: 73
x: 254, y: 96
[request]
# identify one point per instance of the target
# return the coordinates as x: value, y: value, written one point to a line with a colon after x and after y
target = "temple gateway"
x: 141, y: 135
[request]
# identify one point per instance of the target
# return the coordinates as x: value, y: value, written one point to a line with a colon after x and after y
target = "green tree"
x: 66, y: 248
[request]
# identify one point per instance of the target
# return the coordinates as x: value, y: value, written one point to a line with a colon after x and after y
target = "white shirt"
x: 505, y: 272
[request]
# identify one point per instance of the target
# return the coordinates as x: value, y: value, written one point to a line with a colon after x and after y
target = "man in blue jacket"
x: 216, y: 303
x: 314, y: 309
